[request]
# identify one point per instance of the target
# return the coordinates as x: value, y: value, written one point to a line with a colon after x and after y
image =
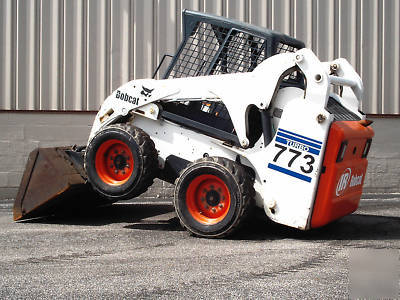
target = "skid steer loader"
x: 244, y: 116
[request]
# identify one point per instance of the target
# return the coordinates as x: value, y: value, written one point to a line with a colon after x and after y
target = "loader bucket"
x: 53, y: 181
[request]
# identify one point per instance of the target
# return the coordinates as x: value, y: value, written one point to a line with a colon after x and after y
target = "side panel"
x: 340, y: 187
x: 292, y: 163
x: 173, y: 139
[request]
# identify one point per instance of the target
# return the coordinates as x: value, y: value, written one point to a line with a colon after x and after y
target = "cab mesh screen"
x: 212, y: 50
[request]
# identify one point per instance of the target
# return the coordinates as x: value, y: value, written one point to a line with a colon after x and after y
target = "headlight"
x: 342, y: 151
x: 366, y: 148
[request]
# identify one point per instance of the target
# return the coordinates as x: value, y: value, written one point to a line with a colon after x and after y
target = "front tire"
x: 212, y: 197
x: 121, y: 161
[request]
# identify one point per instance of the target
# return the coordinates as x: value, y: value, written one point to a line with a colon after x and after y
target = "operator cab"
x: 215, y: 45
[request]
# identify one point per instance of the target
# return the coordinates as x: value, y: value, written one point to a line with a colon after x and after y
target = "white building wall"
x: 70, y: 54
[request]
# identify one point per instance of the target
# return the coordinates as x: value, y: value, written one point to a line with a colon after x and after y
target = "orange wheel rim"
x: 114, y: 162
x: 208, y: 199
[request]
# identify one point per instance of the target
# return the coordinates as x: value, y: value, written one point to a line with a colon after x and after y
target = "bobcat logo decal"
x: 146, y: 92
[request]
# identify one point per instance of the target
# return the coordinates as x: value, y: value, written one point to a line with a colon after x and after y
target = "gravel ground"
x: 138, y: 250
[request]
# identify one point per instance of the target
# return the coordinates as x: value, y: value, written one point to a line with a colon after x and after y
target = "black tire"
x: 130, y: 153
x: 202, y: 192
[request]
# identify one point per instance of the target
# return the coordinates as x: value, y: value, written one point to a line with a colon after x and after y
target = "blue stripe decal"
x: 299, y: 140
x: 281, y: 140
x: 313, y: 151
x: 288, y: 172
x: 285, y: 142
x: 302, y: 136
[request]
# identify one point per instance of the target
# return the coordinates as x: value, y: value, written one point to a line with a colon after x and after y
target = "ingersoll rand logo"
x: 347, y: 180
x: 343, y: 182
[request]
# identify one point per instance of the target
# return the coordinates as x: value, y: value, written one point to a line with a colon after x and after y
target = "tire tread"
x: 149, y: 154
x: 246, y: 188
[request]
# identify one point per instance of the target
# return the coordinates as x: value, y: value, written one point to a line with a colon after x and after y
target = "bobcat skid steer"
x: 244, y: 116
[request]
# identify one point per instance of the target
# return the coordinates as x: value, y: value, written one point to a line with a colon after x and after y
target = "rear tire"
x: 213, y: 196
x: 121, y: 161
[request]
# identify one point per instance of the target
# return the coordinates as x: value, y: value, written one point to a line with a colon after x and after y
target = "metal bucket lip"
x: 38, y: 192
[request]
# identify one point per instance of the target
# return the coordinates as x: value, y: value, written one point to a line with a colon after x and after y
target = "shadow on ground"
x: 161, y: 216
x: 113, y: 213
x: 352, y: 227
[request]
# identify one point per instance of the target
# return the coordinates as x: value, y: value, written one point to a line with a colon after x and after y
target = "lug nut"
x: 221, y: 206
x: 116, y: 171
x: 213, y: 210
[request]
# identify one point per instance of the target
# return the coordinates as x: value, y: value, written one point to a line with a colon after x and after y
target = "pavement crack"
x: 58, y: 258
x: 312, y: 262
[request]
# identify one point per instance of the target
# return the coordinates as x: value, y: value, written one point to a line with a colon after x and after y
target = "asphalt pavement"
x: 139, y: 250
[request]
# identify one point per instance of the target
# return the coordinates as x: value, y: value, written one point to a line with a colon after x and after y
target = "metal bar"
x: 217, y: 56
x: 342, y: 81
x: 160, y: 64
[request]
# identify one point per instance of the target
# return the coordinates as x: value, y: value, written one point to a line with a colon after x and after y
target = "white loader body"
x: 288, y: 168
x: 244, y: 116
